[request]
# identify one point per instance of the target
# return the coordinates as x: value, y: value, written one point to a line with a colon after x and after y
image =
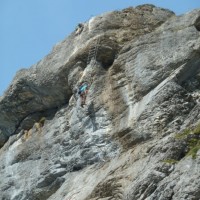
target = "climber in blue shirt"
x: 83, y: 91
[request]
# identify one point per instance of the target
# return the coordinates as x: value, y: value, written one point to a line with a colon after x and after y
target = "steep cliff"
x: 137, y: 137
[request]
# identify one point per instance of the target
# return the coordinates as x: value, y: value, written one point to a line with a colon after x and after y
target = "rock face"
x: 137, y: 137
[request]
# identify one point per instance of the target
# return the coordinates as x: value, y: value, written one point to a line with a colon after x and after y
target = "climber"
x: 83, y: 91
x: 79, y: 28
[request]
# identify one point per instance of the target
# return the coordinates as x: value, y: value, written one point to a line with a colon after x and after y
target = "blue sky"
x: 29, y: 29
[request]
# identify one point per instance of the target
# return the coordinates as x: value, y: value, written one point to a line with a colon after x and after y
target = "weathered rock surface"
x: 138, y: 136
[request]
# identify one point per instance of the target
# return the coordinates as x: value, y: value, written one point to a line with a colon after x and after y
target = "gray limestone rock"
x: 137, y: 137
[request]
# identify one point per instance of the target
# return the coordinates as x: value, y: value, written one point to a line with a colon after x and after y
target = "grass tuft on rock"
x: 42, y: 120
x: 183, y: 135
x: 170, y: 161
x: 194, y: 147
x: 192, y: 138
x: 197, y: 130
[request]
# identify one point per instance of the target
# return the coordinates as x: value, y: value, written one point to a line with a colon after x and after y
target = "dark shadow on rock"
x: 92, y: 116
x: 197, y: 24
x: 29, y: 120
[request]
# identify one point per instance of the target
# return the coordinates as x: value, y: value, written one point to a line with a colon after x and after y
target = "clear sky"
x: 30, y: 28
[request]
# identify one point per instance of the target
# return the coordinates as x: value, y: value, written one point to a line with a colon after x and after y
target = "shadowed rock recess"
x: 137, y: 137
